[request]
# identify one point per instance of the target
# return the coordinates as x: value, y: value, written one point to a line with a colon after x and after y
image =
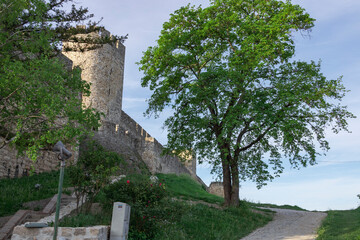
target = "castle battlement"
x: 103, y: 67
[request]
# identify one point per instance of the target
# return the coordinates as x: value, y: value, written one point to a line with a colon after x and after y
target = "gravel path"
x: 289, y: 225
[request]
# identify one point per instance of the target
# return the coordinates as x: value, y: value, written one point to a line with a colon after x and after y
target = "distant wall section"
x: 12, y: 166
x: 132, y: 141
x: 216, y: 188
x: 103, y: 67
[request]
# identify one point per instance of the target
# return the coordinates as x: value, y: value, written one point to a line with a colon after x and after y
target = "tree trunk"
x: 231, y: 182
x: 226, y: 182
x: 235, y: 183
x: 226, y: 160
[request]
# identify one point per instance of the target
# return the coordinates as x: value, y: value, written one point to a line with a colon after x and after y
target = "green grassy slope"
x: 341, y: 225
x: 269, y: 205
x: 15, y: 192
x: 188, y: 220
x: 185, y: 187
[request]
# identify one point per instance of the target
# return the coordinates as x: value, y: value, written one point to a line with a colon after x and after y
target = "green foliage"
x: 185, y: 187
x: 341, y: 225
x: 239, y: 101
x: 144, y: 197
x: 93, y: 172
x: 40, y: 99
x: 16, y: 191
x: 86, y: 220
x: 200, y: 222
x: 174, y: 219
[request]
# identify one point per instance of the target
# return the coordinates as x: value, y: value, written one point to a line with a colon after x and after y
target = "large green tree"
x: 239, y: 100
x: 40, y: 97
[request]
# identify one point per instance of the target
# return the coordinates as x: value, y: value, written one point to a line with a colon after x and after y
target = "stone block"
x: 91, y: 233
x: 22, y: 231
x: 94, y: 231
x: 216, y: 188
x: 79, y: 232
x: 47, y: 231
x: 66, y: 232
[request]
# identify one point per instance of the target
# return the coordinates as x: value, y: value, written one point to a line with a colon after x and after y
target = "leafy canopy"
x: 239, y: 100
x: 40, y: 95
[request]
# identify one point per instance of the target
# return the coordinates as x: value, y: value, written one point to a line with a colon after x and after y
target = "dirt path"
x: 289, y: 225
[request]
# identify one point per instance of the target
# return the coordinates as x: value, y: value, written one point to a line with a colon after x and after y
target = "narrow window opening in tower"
x: 109, y: 91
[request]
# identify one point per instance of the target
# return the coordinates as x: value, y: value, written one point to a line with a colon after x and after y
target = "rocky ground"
x: 289, y: 225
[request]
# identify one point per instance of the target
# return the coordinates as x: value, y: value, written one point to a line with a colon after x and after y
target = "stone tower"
x: 104, y: 69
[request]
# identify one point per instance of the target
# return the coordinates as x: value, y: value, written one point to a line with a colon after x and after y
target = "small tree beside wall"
x: 92, y: 172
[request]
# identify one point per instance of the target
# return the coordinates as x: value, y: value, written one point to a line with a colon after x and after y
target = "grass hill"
x: 186, y: 210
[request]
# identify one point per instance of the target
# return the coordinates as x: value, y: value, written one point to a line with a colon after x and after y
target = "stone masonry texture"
x: 104, y: 68
x: 90, y: 233
x: 14, y: 165
x: 216, y: 188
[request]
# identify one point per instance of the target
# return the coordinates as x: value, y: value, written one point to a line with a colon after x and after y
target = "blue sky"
x: 335, y: 181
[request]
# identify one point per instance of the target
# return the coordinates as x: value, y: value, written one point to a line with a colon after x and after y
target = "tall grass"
x: 15, y: 192
x: 341, y: 225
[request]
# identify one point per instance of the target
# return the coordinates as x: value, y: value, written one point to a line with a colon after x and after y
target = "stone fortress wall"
x: 216, y: 188
x: 104, y: 69
x: 136, y: 145
x: 12, y: 165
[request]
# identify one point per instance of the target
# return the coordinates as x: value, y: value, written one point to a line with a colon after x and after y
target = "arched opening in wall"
x: 25, y: 173
x: 9, y: 171
x: 136, y: 143
x: 16, y: 174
